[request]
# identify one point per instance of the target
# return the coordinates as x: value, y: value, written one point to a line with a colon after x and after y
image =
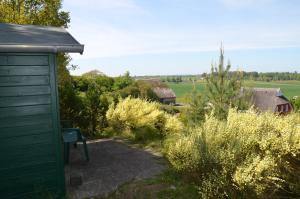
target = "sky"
x: 169, y: 37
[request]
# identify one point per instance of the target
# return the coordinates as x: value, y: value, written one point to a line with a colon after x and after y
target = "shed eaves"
x: 32, y: 38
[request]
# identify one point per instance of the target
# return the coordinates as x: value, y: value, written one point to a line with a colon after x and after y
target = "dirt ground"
x: 112, y: 164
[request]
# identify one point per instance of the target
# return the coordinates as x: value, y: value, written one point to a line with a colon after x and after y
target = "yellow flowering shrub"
x: 172, y: 125
x: 135, y: 113
x: 250, y: 155
x: 183, y: 153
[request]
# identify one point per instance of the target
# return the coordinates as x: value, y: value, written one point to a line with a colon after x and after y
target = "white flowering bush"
x: 250, y: 155
x: 137, y: 114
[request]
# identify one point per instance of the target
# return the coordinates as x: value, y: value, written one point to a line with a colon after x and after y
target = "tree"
x: 196, y: 109
x: 222, y: 87
x: 93, y: 107
x: 123, y: 81
x: 36, y: 12
x: 139, y: 89
x: 70, y: 103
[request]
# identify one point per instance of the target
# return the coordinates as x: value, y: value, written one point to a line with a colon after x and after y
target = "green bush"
x: 139, y: 89
x: 296, y: 103
x: 248, y: 156
x: 135, y: 114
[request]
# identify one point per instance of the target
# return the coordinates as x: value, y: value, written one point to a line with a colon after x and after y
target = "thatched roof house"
x: 270, y: 99
x: 165, y: 94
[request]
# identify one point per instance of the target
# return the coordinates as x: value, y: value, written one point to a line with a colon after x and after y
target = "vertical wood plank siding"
x: 30, y: 149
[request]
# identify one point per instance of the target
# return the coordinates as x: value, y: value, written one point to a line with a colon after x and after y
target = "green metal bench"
x: 72, y: 136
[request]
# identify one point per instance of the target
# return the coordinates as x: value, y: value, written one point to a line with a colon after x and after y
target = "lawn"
x: 289, y: 88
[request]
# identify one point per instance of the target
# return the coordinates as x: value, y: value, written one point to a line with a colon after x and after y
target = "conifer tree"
x: 223, y: 87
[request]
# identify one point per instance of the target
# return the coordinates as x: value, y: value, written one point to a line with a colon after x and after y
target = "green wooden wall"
x: 30, y: 141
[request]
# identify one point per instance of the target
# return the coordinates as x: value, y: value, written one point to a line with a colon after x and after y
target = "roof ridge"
x: 35, y: 26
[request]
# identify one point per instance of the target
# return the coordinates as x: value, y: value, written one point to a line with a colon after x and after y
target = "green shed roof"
x: 31, y: 38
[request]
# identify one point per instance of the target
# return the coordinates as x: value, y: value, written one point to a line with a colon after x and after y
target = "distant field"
x: 289, y: 88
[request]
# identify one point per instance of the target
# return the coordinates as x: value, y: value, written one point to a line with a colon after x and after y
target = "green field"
x: 289, y: 88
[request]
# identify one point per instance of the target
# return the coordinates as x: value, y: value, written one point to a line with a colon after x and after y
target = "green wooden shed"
x: 30, y: 138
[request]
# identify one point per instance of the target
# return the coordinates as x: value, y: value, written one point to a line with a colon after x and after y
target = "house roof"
x: 32, y: 38
x: 161, y: 89
x: 267, y: 99
x: 164, y: 92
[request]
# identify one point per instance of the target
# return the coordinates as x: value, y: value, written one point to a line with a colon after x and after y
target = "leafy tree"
x: 70, y: 103
x: 95, y: 93
x: 139, y: 89
x: 80, y: 83
x: 146, y: 91
x: 105, y: 83
x: 222, y: 87
x: 36, y: 12
x: 132, y: 90
x: 123, y: 81
x: 93, y: 106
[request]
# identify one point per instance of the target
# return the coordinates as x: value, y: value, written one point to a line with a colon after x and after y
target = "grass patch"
x: 289, y: 88
x: 165, y: 186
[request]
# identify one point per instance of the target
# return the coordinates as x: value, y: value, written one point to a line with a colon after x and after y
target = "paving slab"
x: 112, y: 163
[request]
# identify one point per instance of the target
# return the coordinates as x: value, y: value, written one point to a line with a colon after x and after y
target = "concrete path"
x: 112, y: 163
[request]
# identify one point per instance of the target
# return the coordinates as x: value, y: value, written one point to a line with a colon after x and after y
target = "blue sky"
x: 159, y: 37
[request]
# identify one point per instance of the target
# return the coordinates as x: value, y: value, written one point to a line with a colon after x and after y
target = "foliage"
x: 171, y: 109
x: 296, y: 103
x: 196, y: 108
x: 36, y: 12
x: 222, y: 88
x: 95, y: 95
x: 69, y: 101
x: 250, y: 154
x: 93, y: 106
x: 146, y: 91
x: 271, y: 76
x: 81, y: 83
x: 136, y: 115
x: 123, y: 81
x: 139, y: 89
x: 98, y: 91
